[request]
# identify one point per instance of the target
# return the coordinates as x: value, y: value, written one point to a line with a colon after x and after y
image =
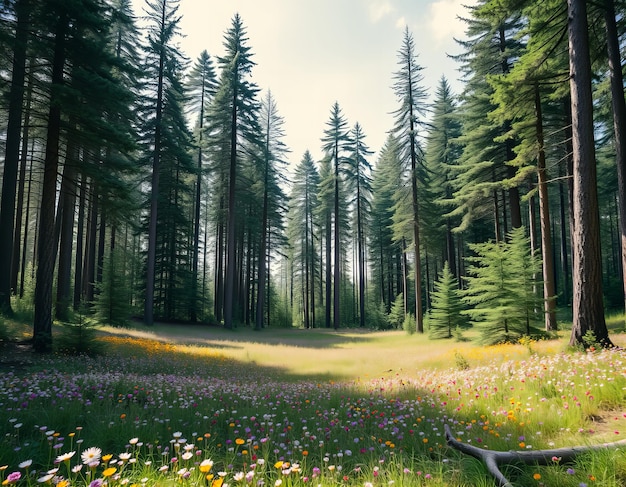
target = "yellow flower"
x: 106, y: 458
x: 537, y: 476
x: 63, y: 483
x: 109, y: 471
x: 239, y: 441
x: 217, y: 482
x: 206, y: 465
x: 278, y: 464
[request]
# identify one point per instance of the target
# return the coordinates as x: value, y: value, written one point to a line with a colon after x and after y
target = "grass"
x: 183, y: 405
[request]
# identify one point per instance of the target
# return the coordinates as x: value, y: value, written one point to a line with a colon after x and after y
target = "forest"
x: 140, y: 184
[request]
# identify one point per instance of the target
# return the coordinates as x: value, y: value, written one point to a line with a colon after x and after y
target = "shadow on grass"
x: 220, y: 337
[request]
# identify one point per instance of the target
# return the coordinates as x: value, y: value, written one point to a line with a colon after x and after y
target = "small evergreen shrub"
x: 502, y: 290
x: 79, y: 337
x: 445, y: 316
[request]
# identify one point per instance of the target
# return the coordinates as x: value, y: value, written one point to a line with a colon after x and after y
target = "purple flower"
x: 96, y: 483
x: 13, y: 477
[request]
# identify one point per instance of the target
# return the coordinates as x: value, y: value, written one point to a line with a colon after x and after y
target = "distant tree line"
x: 136, y: 182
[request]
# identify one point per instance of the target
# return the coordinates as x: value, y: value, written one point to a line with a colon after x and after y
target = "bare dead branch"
x: 493, y: 459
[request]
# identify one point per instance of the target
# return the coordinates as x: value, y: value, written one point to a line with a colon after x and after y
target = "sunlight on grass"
x: 192, y: 406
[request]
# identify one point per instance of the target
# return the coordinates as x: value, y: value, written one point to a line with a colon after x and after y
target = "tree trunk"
x: 549, y: 292
x: 619, y: 124
x: 328, y: 301
x: 12, y: 152
x: 588, y: 309
x: 17, y: 237
x: 46, y: 255
x: 80, y: 232
x: 231, y: 244
x: 67, y: 203
x: 337, y: 242
x: 148, y: 314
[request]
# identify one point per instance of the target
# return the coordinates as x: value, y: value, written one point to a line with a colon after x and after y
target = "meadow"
x: 183, y: 405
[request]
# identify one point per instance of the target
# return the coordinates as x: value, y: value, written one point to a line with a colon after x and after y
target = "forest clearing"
x: 187, y: 405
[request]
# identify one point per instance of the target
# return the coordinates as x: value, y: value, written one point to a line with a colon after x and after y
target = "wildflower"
x: 65, y: 457
x: 96, y: 483
x: 570, y: 471
x: 109, y: 471
x: 13, y: 477
x: 206, y: 465
x: 187, y: 455
x: 25, y: 464
x: 238, y: 476
x: 537, y: 476
x: 217, y: 482
x: 91, y: 455
x: 368, y: 484
x: 239, y: 441
x: 63, y: 483
x: 124, y: 456
x: 133, y: 441
x: 107, y: 457
x: 278, y: 482
x: 45, y: 478
x: 77, y: 468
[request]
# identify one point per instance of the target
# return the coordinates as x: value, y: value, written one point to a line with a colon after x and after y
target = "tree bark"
x: 46, y: 255
x: 12, y: 152
x: 148, y: 314
x: 588, y: 309
x: 549, y: 292
x: 619, y: 123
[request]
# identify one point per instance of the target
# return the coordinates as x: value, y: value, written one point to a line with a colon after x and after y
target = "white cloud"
x: 444, y: 22
x: 379, y: 9
x: 401, y: 23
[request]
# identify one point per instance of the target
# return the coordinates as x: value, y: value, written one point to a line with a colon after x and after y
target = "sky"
x: 313, y: 53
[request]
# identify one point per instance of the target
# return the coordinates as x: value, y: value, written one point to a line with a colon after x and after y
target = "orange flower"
x: 537, y: 476
x: 239, y: 441
x: 305, y: 453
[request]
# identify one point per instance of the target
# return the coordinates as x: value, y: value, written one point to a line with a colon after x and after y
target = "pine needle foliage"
x: 501, y: 288
x: 445, y: 316
x: 112, y: 303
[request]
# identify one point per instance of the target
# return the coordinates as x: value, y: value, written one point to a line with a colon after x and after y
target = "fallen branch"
x: 493, y: 459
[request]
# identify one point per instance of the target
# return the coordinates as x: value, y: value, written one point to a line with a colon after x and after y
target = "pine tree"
x: 273, y: 153
x: 408, y: 119
x: 233, y: 122
x: 22, y: 11
x: 112, y: 302
x: 162, y: 71
x: 500, y: 289
x: 588, y: 309
x: 442, y: 155
x: 201, y: 85
x: 335, y: 142
x: 302, y: 234
x: 358, y: 183
x: 445, y: 317
x: 384, y: 252
x: 483, y: 172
